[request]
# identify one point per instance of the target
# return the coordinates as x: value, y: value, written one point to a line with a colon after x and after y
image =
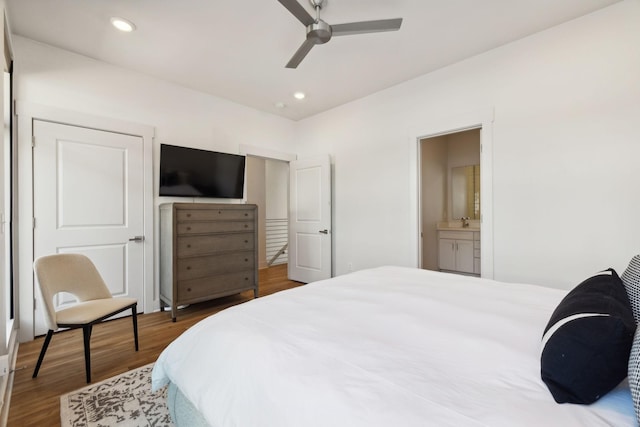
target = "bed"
x: 379, y: 347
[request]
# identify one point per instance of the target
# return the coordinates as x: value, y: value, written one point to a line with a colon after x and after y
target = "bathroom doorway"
x: 450, y: 202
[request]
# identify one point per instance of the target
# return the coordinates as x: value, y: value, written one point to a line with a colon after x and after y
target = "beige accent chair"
x: 77, y: 275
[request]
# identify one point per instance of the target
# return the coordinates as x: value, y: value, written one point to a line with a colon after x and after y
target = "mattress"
x: 379, y: 347
x: 182, y: 411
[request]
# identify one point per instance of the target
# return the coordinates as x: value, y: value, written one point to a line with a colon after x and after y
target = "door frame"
x: 26, y: 114
x: 482, y: 119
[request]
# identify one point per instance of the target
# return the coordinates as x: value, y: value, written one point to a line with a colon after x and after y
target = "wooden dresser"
x: 207, y: 251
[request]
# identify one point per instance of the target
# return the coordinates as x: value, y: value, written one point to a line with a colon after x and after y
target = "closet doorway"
x: 451, y: 202
x: 268, y: 187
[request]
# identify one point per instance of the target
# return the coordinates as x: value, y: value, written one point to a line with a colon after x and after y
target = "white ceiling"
x: 237, y: 49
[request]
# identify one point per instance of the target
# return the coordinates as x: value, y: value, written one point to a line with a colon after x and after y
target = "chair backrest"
x: 72, y: 273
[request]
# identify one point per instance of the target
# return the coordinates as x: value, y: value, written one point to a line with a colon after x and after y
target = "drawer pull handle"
x: 246, y: 260
x: 188, y: 228
x: 188, y: 289
x: 246, y: 241
x: 188, y: 246
x: 188, y: 215
x: 246, y: 226
x: 188, y: 267
x: 246, y: 278
x: 246, y: 214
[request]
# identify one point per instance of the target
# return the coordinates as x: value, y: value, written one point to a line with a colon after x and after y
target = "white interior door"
x: 310, y: 219
x: 88, y: 198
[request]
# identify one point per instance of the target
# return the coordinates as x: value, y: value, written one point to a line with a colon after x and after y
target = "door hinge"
x: 34, y: 223
x: 35, y: 303
x: 33, y: 141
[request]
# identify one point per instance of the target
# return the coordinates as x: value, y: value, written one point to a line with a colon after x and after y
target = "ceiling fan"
x: 319, y: 32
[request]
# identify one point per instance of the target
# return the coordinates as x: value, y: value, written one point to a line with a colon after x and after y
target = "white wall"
x: 50, y: 76
x: 565, y: 152
x: 8, y: 348
x: 4, y: 212
x: 464, y: 148
x: 277, y: 182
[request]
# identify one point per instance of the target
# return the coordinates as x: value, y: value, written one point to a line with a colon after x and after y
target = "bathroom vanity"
x: 459, y: 249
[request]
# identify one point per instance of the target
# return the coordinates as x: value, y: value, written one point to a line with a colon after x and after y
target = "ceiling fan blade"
x: 298, y: 11
x: 302, y: 51
x: 366, y: 27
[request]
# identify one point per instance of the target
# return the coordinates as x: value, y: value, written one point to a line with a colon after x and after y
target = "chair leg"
x: 45, y: 345
x: 86, y: 333
x: 134, y: 316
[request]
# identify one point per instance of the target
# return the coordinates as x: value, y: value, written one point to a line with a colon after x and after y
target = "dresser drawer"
x: 222, y: 284
x: 213, y: 214
x: 185, y: 228
x: 213, y: 243
x: 197, y: 267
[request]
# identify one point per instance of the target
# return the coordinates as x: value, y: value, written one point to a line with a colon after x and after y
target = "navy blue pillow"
x: 587, y: 342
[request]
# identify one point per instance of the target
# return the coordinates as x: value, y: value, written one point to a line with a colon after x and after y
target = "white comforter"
x: 390, y: 346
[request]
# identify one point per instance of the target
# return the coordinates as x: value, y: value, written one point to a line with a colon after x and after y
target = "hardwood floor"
x: 35, y: 402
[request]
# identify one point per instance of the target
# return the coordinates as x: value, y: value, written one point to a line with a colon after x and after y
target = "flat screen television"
x: 190, y: 172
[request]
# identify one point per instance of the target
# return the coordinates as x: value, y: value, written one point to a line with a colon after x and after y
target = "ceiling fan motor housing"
x: 319, y: 32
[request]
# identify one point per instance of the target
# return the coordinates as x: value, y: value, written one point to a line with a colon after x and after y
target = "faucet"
x: 465, y: 221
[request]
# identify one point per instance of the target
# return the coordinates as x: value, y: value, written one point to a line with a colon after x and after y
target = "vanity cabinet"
x: 459, y: 251
x: 207, y: 251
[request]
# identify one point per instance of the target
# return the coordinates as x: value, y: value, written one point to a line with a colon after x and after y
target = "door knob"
x: 137, y: 239
x: 325, y: 231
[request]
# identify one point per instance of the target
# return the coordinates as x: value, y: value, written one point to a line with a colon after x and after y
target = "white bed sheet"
x: 390, y: 346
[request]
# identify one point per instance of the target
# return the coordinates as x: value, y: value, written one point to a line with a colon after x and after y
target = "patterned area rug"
x: 123, y: 400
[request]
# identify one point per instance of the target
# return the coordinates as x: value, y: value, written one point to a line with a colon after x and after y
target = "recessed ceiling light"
x: 299, y: 95
x: 122, y: 24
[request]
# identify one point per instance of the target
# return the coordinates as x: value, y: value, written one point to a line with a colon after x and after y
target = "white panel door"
x: 310, y: 220
x: 88, y: 198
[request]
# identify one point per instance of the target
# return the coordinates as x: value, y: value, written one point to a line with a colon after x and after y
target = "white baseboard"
x: 6, y: 381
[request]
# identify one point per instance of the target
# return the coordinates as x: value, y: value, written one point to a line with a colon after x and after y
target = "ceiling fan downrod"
x: 319, y: 32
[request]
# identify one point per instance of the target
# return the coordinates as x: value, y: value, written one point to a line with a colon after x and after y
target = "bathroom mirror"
x: 465, y: 192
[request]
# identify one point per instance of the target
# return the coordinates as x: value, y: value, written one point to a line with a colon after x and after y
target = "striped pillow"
x: 634, y: 373
x: 631, y: 280
x: 587, y: 341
